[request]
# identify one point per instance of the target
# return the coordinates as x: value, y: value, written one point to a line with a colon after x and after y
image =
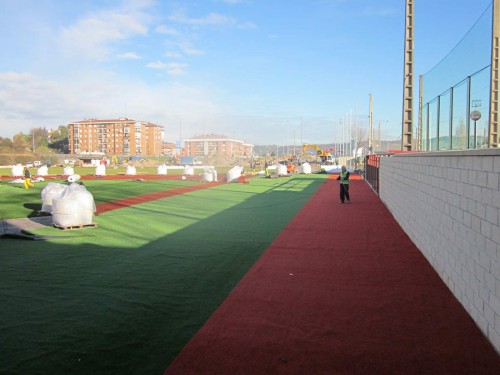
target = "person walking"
x: 344, y: 185
x: 27, y: 179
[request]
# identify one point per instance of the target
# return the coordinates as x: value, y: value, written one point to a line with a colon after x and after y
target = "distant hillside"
x: 264, y: 150
x: 272, y: 150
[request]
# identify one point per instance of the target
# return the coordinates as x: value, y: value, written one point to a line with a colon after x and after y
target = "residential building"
x: 170, y: 149
x: 216, y: 145
x: 122, y: 136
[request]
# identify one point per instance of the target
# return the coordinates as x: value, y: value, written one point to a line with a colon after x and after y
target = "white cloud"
x: 188, y: 50
x: 172, y: 55
x: 23, y: 94
x: 167, y: 30
x: 157, y: 65
x: 28, y: 101
x: 211, y: 19
x: 247, y: 25
x: 129, y: 55
x: 172, y: 68
x: 93, y: 36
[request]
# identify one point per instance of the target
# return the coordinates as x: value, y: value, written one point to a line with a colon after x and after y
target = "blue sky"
x: 265, y: 71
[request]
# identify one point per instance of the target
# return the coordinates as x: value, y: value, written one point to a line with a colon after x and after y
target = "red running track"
x: 342, y: 290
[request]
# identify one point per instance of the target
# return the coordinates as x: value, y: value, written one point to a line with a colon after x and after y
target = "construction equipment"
x: 323, y: 156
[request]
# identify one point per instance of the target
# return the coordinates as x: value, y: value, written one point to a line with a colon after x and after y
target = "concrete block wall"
x: 449, y: 205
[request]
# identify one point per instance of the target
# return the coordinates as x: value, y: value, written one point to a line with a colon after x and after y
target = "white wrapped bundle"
x: 282, y: 170
x: 17, y: 170
x: 100, y: 170
x: 162, y: 169
x: 207, y: 176
x: 68, y: 171
x: 131, y: 171
x: 73, y: 178
x: 49, y: 192
x: 214, y: 174
x: 74, y: 207
x: 305, y: 168
x: 189, y: 170
x: 42, y: 171
x: 234, y: 173
x: 210, y: 174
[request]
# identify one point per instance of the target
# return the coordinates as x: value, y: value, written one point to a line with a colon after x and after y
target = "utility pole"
x: 370, y: 126
x: 420, y: 145
x: 379, y: 136
x: 495, y: 51
x: 407, y: 131
x: 33, y: 139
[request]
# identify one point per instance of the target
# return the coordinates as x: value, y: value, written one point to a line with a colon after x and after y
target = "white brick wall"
x: 449, y: 205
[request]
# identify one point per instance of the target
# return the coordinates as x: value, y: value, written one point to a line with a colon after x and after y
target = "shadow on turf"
x: 101, y: 309
x: 35, y: 209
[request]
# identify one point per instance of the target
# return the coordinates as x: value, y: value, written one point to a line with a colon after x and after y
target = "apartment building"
x: 122, y: 136
x: 215, y: 144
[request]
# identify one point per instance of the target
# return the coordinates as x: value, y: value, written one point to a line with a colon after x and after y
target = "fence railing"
x: 372, y: 169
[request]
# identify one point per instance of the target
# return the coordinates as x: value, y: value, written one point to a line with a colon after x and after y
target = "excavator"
x: 324, y: 156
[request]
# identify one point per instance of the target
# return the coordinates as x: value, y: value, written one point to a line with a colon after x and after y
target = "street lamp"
x: 475, y: 116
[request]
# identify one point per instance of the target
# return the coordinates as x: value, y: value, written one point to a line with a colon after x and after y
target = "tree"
x: 19, y: 143
x: 59, y: 139
x: 58, y: 135
x: 359, y: 134
x: 5, y: 145
x: 39, y: 136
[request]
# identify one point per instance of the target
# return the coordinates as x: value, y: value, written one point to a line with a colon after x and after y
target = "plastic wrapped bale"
x: 210, y: 174
x: 100, y: 170
x: 50, y: 191
x: 306, y: 168
x: 17, y: 170
x: 207, y: 177
x: 74, y: 207
x: 234, y: 173
x: 189, y: 170
x: 73, y: 178
x: 282, y: 170
x: 131, y: 171
x: 68, y: 171
x: 214, y: 175
x: 162, y: 169
x: 42, y: 171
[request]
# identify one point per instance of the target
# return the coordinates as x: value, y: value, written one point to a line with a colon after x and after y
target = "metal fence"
x: 372, y: 169
x: 455, y: 94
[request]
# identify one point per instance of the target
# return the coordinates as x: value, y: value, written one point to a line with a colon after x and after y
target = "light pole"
x: 475, y: 116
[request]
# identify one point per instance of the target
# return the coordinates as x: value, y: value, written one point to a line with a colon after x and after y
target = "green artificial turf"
x: 16, y: 202
x: 82, y: 171
x: 110, y: 170
x: 125, y: 297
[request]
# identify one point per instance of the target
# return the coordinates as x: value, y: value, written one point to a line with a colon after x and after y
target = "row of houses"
x: 130, y: 137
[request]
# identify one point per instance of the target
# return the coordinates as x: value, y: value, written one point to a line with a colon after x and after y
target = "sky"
x: 264, y: 71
